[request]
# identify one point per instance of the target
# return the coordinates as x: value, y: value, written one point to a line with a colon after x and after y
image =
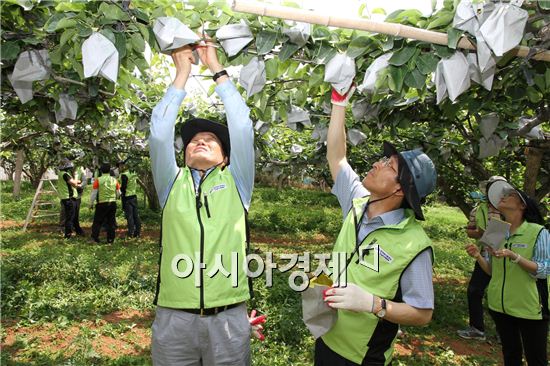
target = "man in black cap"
x: 201, y: 315
x: 388, y: 274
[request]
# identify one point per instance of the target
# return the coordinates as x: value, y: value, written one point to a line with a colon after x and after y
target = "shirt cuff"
x: 226, y: 89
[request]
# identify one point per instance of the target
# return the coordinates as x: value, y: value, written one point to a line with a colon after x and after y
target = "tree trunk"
x: 534, y: 158
x: 148, y: 186
x: 18, y: 170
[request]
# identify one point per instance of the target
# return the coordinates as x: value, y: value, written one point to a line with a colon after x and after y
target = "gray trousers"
x: 184, y: 339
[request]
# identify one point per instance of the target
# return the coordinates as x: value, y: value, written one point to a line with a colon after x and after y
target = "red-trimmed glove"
x: 256, y: 324
x: 339, y: 99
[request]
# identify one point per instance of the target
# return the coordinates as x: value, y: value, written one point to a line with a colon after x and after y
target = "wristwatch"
x: 382, y: 312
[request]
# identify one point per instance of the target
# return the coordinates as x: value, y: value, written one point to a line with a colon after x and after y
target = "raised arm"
x: 241, y: 132
x: 336, y: 136
x: 161, y: 138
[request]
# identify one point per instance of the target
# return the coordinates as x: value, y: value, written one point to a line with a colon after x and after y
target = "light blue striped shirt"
x: 541, y: 254
x: 241, y: 134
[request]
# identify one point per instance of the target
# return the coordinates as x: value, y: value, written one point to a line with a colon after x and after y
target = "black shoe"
x: 95, y: 239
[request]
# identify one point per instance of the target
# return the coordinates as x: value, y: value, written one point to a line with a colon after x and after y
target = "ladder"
x: 39, y: 206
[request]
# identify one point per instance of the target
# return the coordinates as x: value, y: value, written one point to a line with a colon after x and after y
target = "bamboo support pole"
x: 393, y: 29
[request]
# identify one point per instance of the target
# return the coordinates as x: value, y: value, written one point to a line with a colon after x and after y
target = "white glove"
x: 352, y: 298
x: 256, y: 324
x: 342, y: 100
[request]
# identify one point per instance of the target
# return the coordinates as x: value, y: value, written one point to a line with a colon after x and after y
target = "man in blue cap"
x: 389, y: 256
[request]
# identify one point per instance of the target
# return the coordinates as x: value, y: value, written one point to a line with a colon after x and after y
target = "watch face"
x: 381, y: 313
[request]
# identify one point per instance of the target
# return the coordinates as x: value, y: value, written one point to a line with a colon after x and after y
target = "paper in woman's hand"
x: 495, y: 234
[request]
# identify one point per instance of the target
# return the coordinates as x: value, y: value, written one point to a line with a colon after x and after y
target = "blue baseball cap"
x: 416, y: 174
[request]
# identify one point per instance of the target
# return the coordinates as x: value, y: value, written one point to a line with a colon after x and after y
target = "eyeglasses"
x: 386, y: 162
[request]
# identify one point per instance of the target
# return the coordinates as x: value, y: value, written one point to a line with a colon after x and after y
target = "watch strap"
x: 219, y: 74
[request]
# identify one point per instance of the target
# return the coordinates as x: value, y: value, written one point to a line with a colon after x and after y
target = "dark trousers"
x: 130, y: 206
x: 515, y: 332
x: 76, y: 219
x: 476, y: 289
x: 324, y: 356
x: 105, y: 213
x: 69, y: 208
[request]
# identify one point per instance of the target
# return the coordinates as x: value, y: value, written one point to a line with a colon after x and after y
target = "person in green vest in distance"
x: 201, y: 316
x: 80, y: 175
x: 519, y: 270
x: 388, y: 277
x: 105, y: 192
x: 67, y: 186
x: 479, y: 280
x: 128, y: 186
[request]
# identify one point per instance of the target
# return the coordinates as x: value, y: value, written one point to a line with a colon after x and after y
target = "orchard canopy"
x: 476, y: 112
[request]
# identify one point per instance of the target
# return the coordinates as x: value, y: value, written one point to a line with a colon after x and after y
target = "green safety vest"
x: 512, y: 290
x: 107, y: 189
x: 353, y: 334
x: 64, y: 189
x: 482, y: 215
x: 132, y: 183
x: 207, y: 227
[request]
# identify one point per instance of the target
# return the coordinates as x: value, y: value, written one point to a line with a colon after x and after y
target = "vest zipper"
x: 503, y: 280
x: 201, y: 269
x: 206, y: 205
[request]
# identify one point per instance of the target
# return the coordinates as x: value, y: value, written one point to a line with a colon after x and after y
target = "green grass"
x: 78, y: 303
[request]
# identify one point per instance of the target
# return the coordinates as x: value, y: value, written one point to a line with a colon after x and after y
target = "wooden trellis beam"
x: 393, y: 29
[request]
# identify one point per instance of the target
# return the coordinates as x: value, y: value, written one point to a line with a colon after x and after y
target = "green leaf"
x: 544, y: 4
x: 323, y: 53
x: 547, y: 78
x: 539, y: 82
x: 316, y: 77
x: 402, y: 56
x: 120, y: 44
x: 396, y: 77
x: 64, y: 6
x: 271, y: 67
x: 109, y: 34
x: 56, y: 55
x: 287, y: 51
x: 442, y: 19
x: 427, y: 63
x: 453, y: 36
x: 113, y: 12
x: 33, y: 40
x: 140, y: 15
x: 533, y: 95
x: 10, y: 50
x: 138, y: 44
x: 415, y: 79
x: 388, y: 44
x: 65, y: 23
x: 320, y: 33
x: 68, y: 34
x: 442, y: 51
x: 51, y: 24
x: 358, y: 46
x: 83, y: 31
x: 265, y: 41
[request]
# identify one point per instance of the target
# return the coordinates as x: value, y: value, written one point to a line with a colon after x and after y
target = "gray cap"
x: 416, y: 174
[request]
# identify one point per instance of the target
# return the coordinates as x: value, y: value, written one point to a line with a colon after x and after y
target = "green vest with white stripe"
x: 64, y: 189
x: 107, y: 189
x: 131, y: 183
x: 205, y: 227
x: 354, y: 334
x: 512, y: 290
